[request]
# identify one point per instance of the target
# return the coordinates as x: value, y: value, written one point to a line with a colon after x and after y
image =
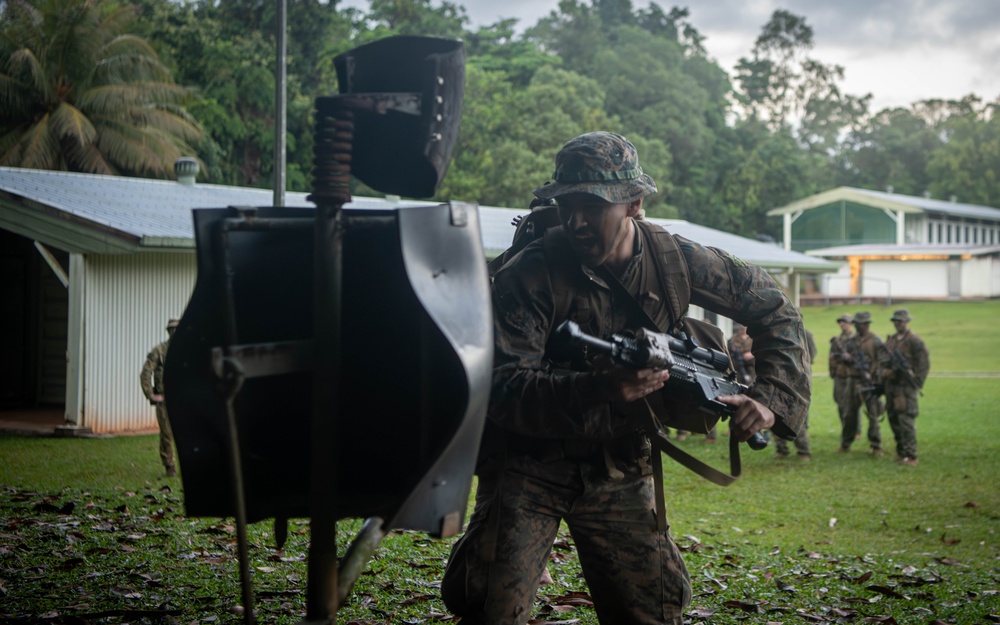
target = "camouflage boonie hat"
x: 845, y: 317
x: 901, y: 315
x: 863, y: 317
x: 599, y: 163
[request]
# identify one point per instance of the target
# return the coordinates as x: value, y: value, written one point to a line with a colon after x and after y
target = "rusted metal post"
x: 331, y: 190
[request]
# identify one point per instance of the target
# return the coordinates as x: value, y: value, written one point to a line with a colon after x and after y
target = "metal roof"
x: 909, y: 249
x: 91, y: 213
x: 891, y: 201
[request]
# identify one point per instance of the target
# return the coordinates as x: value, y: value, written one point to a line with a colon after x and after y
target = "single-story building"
x: 895, y: 246
x: 94, y: 266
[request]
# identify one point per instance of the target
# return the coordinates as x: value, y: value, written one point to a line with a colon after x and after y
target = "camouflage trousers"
x: 801, y: 442
x: 634, y: 572
x: 902, y: 408
x: 166, y: 436
x: 847, y: 394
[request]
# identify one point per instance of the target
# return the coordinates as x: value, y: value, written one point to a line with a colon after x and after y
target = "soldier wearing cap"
x: 151, y: 380
x: 903, y: 383
x: 863, y: 352
x: 556, y: 445
x: 845, y: 393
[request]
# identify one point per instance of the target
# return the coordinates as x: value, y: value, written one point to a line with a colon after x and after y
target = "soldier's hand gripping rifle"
x: 901, y: 367
x: 694, y: 370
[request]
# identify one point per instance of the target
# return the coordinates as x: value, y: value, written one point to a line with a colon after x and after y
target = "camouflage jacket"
x: 869, y: 346
x: 912, y: 348
x: 839, y: 367
x: 538, y: 392
x: 151, y: 377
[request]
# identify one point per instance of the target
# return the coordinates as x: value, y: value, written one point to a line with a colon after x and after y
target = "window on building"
x: 939, y: 239
x: 966, y: 240
x: 948, y: 234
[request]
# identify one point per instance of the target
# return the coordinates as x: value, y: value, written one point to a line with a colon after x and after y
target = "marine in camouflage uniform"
x: 151, y: 380
x: 845, y: 377
x: 864, y: 349
x: 901, y: 389
x: 557, y: 445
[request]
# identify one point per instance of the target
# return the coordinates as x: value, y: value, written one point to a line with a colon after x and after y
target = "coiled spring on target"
x: 334, y: 141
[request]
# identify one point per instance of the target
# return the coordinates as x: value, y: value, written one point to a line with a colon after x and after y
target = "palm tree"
x: 78, y: 93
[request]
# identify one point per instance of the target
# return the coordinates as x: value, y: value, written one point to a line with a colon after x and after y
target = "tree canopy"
x: 80, y: 91
x: 722, y: 149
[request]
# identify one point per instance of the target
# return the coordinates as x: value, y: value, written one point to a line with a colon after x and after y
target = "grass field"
x: 89, y: 532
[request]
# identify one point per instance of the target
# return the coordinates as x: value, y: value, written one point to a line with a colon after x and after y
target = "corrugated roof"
x: 157, y: 213
x: 910, y: 249
x: 891, y: 201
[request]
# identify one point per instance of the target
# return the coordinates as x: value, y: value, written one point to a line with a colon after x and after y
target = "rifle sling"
x: 660, y: 440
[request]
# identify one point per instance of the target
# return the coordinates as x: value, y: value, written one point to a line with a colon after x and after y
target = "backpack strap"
x: 670, y: 271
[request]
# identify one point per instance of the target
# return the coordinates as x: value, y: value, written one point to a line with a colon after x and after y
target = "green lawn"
x: 91, y: 533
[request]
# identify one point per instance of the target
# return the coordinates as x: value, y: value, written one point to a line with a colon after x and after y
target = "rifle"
x: 694, y: 370
x: 852, y: 353
x: 901, y: 366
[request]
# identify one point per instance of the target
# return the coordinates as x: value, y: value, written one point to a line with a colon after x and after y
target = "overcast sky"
x: 900, y: 51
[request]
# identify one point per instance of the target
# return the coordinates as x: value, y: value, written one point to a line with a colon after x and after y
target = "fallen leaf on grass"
x: 743, y: 605
x: 948, y: 561
x: 888, y: 592
x: 971, y: 504
x: 950, y: 541
x: 573, y: 598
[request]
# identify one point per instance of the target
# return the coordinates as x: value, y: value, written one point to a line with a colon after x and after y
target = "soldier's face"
x: 900, y: 325
x: 844, y: 325
x: 596, y: 227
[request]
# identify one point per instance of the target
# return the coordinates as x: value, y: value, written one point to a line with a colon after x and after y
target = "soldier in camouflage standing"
x: 151, y: 380
x: 903, y: 380
x: 841, y: 367
x: 863, y: 354
x: 558, y: 443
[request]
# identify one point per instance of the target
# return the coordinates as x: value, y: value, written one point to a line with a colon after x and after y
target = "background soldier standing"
x: 864, y: 352
x: 845, y: 392
x: 151, y: 380
x: 559, y: 444
x: 903, y: 381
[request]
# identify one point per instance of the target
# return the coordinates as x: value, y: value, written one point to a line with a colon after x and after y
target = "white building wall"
x: 129, y: 299
x: 913, y: 278
x: 837, y: 284
x: 979, y: 278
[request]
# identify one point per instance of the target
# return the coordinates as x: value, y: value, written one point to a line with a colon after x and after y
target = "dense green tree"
x: 891, y: 149
x: 80, y: 91
x: 967, y: 166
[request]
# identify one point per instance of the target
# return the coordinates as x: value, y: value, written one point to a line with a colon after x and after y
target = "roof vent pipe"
x: 186, y: 169
x: 953, y: 198
x: 927, y: 194
x: 889, y: 188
